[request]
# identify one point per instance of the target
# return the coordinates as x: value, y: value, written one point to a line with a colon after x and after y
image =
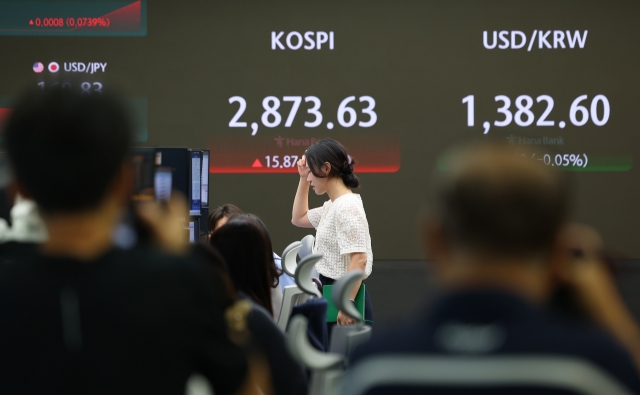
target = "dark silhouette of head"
x: 249, y: 258
x: 331, y: 152
x: 495, y: 201
x: 67, y: 148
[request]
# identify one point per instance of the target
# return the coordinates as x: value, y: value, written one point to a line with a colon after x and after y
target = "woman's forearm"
x: 358, y: 262
x: 301, y: 205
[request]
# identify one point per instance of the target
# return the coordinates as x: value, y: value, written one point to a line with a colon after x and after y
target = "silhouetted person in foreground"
x: 81, y: 316
x: 494, y: 237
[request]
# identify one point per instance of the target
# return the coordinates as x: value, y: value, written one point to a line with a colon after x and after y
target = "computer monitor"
x: 204, y: 183
x: 195, y: 183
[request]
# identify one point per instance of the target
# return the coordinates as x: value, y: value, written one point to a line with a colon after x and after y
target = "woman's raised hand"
x: 302, y: 167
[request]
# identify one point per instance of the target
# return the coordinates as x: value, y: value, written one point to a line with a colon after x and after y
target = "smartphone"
x: 144, y: 165
x: 163, y: 183
x: 130, y: 233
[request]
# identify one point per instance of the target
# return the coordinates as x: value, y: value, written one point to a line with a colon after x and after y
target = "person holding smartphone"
x: 342, y: 230
x: 81, y: 315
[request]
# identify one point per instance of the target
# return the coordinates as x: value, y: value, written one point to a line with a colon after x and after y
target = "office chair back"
x: 399, y: 373
x: 307, y: 246
x: 289, y: 262
x: 345, y: 338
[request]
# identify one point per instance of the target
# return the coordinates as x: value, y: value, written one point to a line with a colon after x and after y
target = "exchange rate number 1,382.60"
x: 578, y: 114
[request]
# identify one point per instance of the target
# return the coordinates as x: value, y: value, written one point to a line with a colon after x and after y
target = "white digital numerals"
x: 598, y: 111
x: 347, y: 116
x: 85, y: 87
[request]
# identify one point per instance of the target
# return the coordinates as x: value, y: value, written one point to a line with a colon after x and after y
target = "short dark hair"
x: 249, y: 258
x: 227, y: 210
x: 493, y: 199
x: 332, y: 152
x: 66, y: 148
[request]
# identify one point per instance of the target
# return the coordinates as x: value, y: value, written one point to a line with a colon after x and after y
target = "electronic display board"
x: 73, y: 18
x: 397, y: 82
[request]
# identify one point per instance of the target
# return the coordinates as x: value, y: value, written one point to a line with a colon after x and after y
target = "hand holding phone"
x: 163, y: 183
x: 165, y: 222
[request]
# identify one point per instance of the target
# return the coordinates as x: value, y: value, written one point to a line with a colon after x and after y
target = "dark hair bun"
x: 347, y: 175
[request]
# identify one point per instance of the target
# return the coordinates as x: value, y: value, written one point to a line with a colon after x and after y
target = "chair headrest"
x: 570, y: 374
x: 303, y: 274
x: 307, y: 246
x: 341, y: 294
x: 289, y: 257
x: 302, y: 350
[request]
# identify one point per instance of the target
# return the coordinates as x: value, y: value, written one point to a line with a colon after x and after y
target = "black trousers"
x: 368, y: 307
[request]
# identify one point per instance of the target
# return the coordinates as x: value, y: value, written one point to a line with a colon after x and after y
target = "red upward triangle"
x: 256, y: 163
x: 31, y: 22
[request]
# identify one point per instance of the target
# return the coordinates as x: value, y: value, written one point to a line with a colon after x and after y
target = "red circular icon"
x: 54, y: 67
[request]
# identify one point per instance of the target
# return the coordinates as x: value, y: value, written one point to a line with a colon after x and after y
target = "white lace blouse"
x: 341, y: 229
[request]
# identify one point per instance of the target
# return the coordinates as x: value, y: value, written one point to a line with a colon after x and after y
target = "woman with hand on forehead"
x: 342, y: 230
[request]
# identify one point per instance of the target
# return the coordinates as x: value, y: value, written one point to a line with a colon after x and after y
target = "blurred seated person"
x: 220, y: 215
x: 262, y: 336
x: 590, y: 288
x: 245, y: 245
x: 276, y: 292
x: 26, y: 230
x: 21, y: 227
x: 246, y: 248
x: 81, y: 316
x: 494, y: 237
x: 26, y: 223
